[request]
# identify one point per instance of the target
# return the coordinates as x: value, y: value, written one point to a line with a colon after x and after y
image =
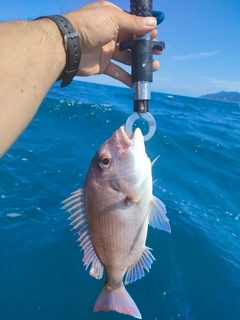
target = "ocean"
x: 196, y: 275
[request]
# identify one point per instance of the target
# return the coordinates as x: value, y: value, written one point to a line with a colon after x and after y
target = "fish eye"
x: 105, y: 161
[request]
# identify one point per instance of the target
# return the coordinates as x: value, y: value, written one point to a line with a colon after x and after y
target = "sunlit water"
x: 196, y: 274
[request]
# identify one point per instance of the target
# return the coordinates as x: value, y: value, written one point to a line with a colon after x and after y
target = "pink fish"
x: 111, y: 215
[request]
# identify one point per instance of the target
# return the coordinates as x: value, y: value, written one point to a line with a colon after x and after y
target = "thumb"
x: 135, y: 25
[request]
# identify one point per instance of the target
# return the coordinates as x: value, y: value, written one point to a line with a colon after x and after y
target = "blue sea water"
x: 196, y: 275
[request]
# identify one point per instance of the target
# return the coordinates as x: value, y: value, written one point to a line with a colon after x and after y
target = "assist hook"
x: 142, y: 57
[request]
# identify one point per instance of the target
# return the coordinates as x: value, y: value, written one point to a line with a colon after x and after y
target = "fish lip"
x: 127, y: 141
x: 137, y: 134
x: 123, y: 136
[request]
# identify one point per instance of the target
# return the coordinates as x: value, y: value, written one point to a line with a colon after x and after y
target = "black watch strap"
x: 72, y: 46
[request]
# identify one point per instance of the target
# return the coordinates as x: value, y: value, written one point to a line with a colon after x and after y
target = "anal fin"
x: 137, y: 271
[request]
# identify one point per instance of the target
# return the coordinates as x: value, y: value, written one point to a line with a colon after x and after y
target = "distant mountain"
x: 223, y: 96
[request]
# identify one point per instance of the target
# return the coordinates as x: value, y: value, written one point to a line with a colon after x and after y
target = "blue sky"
x: 202, y: 41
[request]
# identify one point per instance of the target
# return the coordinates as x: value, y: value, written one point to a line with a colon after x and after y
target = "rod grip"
x: 141, y: 8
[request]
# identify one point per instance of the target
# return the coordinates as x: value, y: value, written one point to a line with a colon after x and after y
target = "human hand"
x: 102, y: 26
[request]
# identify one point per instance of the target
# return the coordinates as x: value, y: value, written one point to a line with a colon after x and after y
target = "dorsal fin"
x: 75, y: 206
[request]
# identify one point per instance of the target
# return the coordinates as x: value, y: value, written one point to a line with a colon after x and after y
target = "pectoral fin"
x: 157, y: 215
x: 75, y: 206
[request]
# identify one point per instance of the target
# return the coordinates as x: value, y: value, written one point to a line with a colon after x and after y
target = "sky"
x: 202, y: 40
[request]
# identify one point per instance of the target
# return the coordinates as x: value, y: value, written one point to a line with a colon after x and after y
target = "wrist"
x: 71, y: 43
x: 52, y: 45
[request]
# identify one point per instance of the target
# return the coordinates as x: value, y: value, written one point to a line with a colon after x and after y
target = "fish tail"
x: 117, y: 299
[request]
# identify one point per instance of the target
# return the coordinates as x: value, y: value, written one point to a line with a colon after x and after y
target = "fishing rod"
x: 142, y: 57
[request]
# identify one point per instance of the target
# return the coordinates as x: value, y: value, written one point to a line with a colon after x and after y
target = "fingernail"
x: 150, y: 21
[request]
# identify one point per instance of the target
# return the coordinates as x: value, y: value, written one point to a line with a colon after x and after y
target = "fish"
x: 111, y: 215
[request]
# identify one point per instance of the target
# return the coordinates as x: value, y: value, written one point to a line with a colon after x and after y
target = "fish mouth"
x: 123, y: 136
x: 137, y: 134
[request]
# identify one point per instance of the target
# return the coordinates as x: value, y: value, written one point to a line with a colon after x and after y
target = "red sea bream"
x: 111, y: 215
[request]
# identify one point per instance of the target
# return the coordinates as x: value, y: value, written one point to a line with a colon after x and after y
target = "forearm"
x: 32, y: 57
x: 25, y: 80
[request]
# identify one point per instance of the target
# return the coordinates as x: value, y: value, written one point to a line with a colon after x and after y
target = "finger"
x: 119, y: 74
x: 125, y: 36
x: 157, y: 52
x: 122, y: 56
x: 125, y: 58
x: 156, y: 65
x: 153, y: 34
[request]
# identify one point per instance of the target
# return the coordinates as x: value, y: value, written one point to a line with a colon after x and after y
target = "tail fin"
x: 117, y: 300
